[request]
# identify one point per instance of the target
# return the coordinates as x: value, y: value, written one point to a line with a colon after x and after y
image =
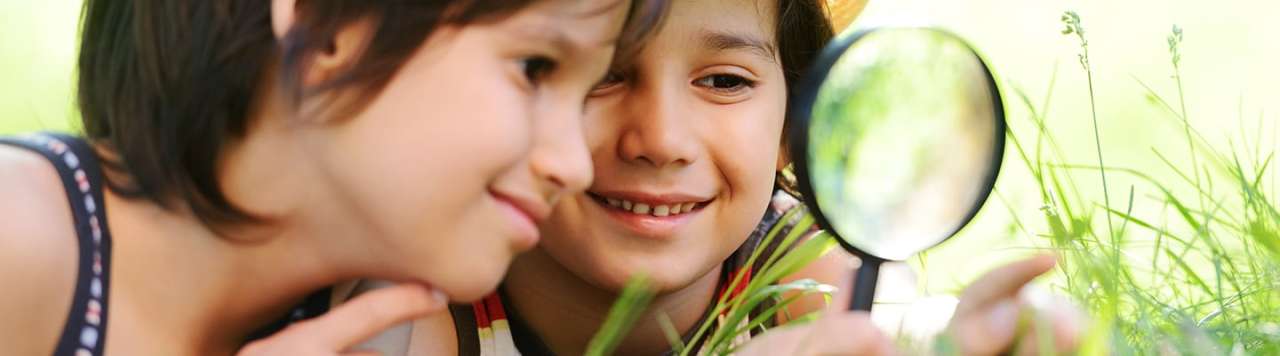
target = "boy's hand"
x: 351, y: 323
x: 836, y: 333
x: 992, y: 319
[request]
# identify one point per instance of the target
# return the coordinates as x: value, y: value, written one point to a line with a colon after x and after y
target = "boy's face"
x: 685, y: 144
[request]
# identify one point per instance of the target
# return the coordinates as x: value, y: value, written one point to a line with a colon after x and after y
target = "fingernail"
x: 439, y: 296
x: 1002, y: 319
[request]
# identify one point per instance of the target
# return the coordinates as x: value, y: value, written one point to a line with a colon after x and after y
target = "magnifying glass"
x: 896, y: 135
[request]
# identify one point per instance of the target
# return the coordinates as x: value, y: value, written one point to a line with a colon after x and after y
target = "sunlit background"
x: 1229, y: 72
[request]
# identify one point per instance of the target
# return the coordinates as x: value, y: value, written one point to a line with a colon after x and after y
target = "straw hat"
x: 843, y: 12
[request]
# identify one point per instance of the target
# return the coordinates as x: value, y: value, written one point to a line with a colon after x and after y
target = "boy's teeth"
x: 646, y: 209
x: 661, y: 210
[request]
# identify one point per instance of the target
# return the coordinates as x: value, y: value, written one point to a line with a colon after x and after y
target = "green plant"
x: 630, y: 305
x: 1208, y: 282
x: 1188, y: 265
x: 731, y: 316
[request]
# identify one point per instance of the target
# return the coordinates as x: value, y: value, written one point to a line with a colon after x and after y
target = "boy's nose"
x: 657, y: 131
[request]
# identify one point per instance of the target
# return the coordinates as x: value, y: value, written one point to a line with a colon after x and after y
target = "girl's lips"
x: 650, y: 216
x: 524, y: 215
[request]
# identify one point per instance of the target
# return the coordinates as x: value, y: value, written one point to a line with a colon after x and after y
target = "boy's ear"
x: 784, y: 153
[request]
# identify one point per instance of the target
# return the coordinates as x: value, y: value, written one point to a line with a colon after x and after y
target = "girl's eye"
x: 537, y: 68
x: 724, y: 83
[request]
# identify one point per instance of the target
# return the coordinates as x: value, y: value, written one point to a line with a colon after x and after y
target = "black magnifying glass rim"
x: 801, y: 108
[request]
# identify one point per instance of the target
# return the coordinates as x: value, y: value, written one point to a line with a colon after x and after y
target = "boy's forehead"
x: 754, y: 18
x: 723, y: 41
x: 718, y: 25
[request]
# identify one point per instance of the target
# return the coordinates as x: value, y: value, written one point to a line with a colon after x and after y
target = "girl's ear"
x: 341, y: 50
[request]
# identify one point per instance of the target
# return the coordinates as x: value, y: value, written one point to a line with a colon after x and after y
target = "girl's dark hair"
x: 165, y: 84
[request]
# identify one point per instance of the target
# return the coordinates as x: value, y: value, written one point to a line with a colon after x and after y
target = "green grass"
x: 731, y: 315
x: 1186, y: 262
x: 1200, y: 276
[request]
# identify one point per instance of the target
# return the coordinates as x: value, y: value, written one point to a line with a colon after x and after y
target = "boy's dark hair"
x: 803, y: 30
x: 165, y: 84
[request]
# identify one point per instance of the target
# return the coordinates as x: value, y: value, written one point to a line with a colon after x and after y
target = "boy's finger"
x: 367, y: 315
x: 850, y: 333
x: 1065, y: 328
x: 845, y: 333
x: 1004, y: 282
x: 843, y: 296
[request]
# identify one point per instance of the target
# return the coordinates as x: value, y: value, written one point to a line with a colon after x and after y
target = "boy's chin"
x: 662, y: 277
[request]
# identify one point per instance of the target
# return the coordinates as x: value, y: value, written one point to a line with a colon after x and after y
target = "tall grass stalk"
x: 1072, y: 20
x: 726, y: 322
x: 1186, y: 278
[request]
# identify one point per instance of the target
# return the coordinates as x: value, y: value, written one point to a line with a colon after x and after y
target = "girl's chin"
x: 471, y: 286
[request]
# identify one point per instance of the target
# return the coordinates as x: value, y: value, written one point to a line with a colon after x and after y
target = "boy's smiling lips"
x: 655, y: 216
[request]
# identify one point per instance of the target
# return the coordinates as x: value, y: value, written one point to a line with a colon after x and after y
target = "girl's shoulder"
x: 38, y: 252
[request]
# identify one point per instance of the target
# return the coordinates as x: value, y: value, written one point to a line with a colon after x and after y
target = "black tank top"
x: 85, y: 331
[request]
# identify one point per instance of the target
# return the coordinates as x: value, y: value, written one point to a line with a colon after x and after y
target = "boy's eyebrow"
x: 722, y: 41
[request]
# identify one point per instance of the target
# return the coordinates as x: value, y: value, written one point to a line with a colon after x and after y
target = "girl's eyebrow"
x: 559, y: 38
x: 725, y: 41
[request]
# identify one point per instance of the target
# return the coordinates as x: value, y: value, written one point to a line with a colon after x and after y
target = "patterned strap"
x: 493, y: 328
x: 85, y: 331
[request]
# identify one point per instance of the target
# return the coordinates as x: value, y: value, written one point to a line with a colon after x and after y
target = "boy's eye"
x: 536, y: 68
x: 724, y: 82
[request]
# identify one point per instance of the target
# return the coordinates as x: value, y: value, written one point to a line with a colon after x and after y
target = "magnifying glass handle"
x: 864, y: 284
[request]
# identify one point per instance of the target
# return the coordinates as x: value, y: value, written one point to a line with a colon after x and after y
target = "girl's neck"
x: 565, y: 311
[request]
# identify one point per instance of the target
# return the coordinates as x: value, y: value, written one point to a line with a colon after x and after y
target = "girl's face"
x: 452, y: 166
x: 685, y: 144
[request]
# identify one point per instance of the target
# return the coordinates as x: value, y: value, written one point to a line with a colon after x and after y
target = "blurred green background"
x: 37, y: 55
x: 1229, y: 70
